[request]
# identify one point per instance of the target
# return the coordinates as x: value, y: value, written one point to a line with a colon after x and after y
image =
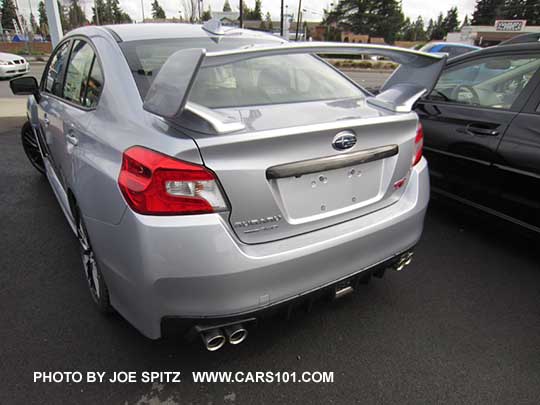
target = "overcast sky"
x: 412, y: 8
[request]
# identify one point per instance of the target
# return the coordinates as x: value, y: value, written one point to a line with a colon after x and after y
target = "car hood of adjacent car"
x: 8, y: 57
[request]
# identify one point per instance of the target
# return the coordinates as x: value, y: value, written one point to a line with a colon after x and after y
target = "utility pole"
x: 241, y: 14
x: 142, y: 9
x: 298, y: 18
x: 281, y: 19
x: 53, y: 18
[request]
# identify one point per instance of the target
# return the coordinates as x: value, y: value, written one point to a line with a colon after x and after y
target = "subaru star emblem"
x: 344, y: 140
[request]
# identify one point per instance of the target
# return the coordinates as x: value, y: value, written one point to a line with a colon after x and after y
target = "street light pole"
x: 241, y: 14
x: 281, y: 19
x: 142, y: 9
x: 298, y: 18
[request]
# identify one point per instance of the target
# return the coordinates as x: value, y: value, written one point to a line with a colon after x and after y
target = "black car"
x: 482, y: 132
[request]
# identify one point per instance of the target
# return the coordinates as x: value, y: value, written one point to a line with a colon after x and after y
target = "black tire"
x: 94, y: 278
x: 31, y: 147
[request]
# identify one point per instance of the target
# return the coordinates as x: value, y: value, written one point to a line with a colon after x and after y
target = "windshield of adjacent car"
x: 258, y: 81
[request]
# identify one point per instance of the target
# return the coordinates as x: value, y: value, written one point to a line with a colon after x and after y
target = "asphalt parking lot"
x: 460, y: 325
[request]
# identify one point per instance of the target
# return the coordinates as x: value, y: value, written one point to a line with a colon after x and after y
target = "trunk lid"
x: 283, y: 176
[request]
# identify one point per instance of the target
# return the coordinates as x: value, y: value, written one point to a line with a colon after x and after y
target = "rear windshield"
x: 259, y: 81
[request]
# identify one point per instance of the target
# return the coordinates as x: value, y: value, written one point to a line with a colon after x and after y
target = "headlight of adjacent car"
x: 4, y: 62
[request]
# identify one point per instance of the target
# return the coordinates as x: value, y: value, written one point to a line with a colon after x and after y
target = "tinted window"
x: 53, y: 77
x: 494, y: 82
x: 456, y: 50
x: 95, y: 84
x: 82, y: 58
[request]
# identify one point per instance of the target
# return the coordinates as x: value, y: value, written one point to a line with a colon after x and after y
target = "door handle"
x: 72, y: 139
x: 474, y: 130
x: 46, y: 121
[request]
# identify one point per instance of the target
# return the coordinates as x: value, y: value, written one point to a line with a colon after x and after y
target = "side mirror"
x: 25, y: 86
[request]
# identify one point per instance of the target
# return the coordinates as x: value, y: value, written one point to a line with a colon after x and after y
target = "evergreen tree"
x: 466, y: 21
x: 157, y: 11
x: 43, y: 28
x: 532, y: 12
x: 9, y: 15
x: 76, y: 15
x: 63, y: 19
x: 451, y: 21
x: 487, y: 11
x: 33, y: 23
x: 207, y: 15
x: 101, y: 13
x: 370, y: 17
x: 268, y: 20
x: 419, y: 30
x: 430, y: 28
x: 227, y: 6
x: 438, y: 32
x: 514, y: 9
x: 257, y: 13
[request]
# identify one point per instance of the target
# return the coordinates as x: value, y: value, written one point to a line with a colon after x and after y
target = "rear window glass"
x: 259, y: 81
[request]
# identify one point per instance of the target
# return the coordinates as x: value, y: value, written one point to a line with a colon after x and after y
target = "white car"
x: 12, y: 65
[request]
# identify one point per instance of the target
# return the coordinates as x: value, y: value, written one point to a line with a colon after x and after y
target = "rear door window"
x: 54, y: 76
x: 83, y: 76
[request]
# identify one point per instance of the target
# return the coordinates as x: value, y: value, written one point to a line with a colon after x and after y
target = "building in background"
x: 488, y: 35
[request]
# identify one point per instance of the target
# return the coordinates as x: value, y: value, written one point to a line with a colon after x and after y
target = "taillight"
x: 156, y: 184
x: 418, y: 144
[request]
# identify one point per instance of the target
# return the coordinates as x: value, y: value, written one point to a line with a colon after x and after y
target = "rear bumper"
x: 195, y: 267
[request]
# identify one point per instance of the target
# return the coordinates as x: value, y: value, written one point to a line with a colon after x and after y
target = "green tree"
x: 532, y: 12
x: 268, y: 21
x: 43, y: 28
x: 76, y: 15
x: 466, y: 21
x: 514, y: 9
x: 254, y: 14
x: 157, y: 11
x: 438, y: 31
x: 382, y: 18
x: 451, y: 21
x: 419, y: 30
x: 63, y: 18
x: 429, y: 29
x: 100, y: 13
x: 207, y: 15
x: 487, y: 11
x: 227, y: 6
x: 113, y: 13
x: 33, y: 23
x: 9, y: 15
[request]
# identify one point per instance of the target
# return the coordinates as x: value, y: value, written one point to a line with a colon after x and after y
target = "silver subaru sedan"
x: 214, y: 174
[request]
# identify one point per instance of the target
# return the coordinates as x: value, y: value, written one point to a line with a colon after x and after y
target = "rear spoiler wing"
x: 168, y: 95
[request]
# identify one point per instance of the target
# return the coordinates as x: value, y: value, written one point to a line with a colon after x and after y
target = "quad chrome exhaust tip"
x: 236, y: 334
x: 213, y: 339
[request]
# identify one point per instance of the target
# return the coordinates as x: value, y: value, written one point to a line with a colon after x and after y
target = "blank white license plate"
x: 331, y: 190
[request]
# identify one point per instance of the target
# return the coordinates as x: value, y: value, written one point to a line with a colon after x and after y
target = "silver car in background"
x: 213, y: 174
x: 12, y: 65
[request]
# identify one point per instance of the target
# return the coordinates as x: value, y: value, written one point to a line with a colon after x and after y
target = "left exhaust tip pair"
x: 215, y: 339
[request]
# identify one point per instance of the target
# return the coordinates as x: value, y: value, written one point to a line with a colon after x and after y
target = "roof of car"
x: 134, y: 32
